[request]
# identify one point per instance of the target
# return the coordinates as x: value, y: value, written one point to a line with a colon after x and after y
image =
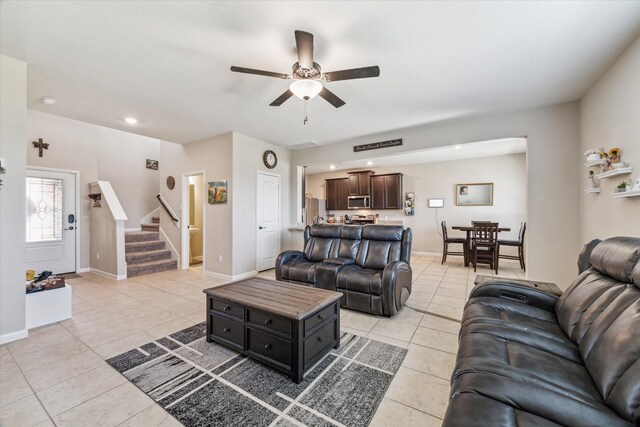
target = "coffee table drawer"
x: 228, y: 309
x: 318, y: 341
x: 266, y: 345
x: 316, y: 319
x: 277, y: 324
x: 227, y: 330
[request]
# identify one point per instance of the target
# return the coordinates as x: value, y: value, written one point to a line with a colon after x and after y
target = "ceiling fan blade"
x: 259, y: 72
x: 304, y: 44
x: 331, y: 98
x: 355, y: 73
x: 280, y: 100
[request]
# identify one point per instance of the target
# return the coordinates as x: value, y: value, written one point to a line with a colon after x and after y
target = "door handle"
x: 70, y: 228
x: 261, y: 228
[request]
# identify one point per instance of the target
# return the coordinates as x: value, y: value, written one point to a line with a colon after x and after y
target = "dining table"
x: 467, y: 246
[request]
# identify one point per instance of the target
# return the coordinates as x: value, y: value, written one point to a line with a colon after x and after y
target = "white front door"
x: 268, y: 220
x: 51, y: 221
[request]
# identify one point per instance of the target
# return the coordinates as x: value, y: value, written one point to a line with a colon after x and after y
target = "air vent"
x: 309, y: 144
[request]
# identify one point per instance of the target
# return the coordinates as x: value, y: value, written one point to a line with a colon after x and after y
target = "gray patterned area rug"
x: 206, y: 384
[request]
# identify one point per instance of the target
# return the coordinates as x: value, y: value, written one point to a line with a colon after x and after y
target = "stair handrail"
x: 167, y: 208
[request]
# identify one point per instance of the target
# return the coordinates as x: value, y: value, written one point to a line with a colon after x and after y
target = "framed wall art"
x: 218, y: 192
x: 474, y: 194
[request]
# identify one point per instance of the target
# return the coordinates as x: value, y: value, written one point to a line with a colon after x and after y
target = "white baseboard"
x: 174, y: 253
x: 108, y: 275
x: 148, y: 218
x: 229, y: 277
x: 426, y: 253
x: 83, y: 270
x: 13, y: 336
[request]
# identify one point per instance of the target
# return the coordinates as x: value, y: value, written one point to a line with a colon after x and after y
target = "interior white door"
x: 51, y: 221
x: 268, y: 220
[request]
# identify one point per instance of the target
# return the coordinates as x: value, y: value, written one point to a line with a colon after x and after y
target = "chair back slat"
x: 444, y: 230
x: 523, y: 228
x: 485, y: 232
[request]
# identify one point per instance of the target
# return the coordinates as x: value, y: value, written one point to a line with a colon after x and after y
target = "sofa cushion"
x: 300, y: 270
x: 355, y: 278
x: 616, y: 257
x: 380, y: 245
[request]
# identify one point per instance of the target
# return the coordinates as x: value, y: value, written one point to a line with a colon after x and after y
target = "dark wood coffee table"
x: 288, y: 327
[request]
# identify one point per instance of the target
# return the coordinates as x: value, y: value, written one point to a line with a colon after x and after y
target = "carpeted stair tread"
x: 146, y: 256
x: 151, y: 267
x: 155, y: 219
x: 141, y: 236
x: 150, y: 227
x: 150, y: 245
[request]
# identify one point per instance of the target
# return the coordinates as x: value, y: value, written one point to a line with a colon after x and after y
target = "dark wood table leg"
x: 467, y: 250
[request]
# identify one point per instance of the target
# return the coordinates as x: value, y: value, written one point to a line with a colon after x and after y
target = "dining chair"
x: 448, y: 240
x: 515, y: 243
x: 484, y: 245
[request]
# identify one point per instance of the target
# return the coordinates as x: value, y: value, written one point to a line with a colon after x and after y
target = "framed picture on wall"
x: 480, y: 194
x: 218, y: 192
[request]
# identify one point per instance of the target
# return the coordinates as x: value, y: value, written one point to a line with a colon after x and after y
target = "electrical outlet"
x: 97, y: 255
x: 219, y: 258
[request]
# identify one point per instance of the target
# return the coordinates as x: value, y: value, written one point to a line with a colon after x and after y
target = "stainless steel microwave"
x: 358, y: 202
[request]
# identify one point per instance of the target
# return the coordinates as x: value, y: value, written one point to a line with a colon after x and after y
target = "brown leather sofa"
x: 369, y: 264
x: 531, y: 358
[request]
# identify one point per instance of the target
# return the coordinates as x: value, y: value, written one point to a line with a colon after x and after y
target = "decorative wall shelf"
x: 615, y: 172
x: 634, y: 193
x: 593, y: 163
x: 592, y: 190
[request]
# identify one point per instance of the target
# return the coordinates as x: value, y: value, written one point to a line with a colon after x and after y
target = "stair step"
x: 151, y: 267
x: 141, y: 236
x: 142, y: 257
x: 151, y: 245
x: 150, y: 227
x: 155, y: 219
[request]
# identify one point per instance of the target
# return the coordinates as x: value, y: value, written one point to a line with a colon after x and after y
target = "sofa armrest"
x: 396, y: 286
x: 526, y: 294
x: 340, y: 261
x: 284, y: 258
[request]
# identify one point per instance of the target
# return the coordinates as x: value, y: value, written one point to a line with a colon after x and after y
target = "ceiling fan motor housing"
x: 306, y: 73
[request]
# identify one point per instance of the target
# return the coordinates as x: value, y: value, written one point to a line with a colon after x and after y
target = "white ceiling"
x: 167, y: 63
x: 473, y: 150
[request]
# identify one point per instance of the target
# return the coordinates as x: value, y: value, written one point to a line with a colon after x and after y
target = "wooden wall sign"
x: 376, y: 145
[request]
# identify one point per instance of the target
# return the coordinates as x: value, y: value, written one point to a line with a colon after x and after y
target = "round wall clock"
x: 270, y: 159
x: 171, y: 182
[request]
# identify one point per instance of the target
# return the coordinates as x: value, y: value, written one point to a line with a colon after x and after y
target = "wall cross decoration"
x: 40, y: 145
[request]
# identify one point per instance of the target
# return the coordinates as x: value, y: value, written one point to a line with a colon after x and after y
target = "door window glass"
x: 44, y: 209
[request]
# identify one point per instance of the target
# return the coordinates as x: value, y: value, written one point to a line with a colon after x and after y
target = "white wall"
x: 553, y: 183
x: 13, y: 131
x: 435, y: 180
x: 247, y: 161
x: 610, y: 117
x: 98, y: 153
x: 214, y: 157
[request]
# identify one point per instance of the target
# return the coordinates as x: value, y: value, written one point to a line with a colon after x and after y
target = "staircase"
x: 145, y: 252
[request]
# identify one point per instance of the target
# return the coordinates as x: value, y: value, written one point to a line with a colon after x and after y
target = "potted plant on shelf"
x: 593, y: 154
x: 622, y: 187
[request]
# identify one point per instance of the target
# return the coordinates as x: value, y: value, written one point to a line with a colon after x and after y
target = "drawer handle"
x: 267, y: 347
x: 268, y: 322
x: 321, y: 317
x: 227, y: 308
x: 227, y: 329
x: 320, y: 339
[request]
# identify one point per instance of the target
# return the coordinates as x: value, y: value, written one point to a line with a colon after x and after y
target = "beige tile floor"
x: 58, y: 375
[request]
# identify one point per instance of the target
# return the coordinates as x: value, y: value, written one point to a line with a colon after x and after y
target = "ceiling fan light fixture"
x: 306, y: 89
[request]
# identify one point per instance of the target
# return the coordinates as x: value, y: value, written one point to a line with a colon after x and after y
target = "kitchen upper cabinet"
x: 360, y: 183
x: 386, y: 191
x: 337, y: 194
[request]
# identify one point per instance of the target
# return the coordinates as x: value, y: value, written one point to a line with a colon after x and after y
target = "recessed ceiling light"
x: 131, y: 120
x: 48, y: 100
x: 457, y: 147
x: 332, y: 166
x: 369, y: 163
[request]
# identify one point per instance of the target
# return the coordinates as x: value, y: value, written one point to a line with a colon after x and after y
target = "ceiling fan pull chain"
x: 306, y: 119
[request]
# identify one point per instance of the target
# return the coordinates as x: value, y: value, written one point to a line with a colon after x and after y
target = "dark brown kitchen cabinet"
x: 360, y: 183
x: 337, y: 194
x: 386, y: 191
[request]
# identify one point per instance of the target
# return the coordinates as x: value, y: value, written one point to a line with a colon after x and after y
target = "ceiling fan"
x: 307, y: 75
